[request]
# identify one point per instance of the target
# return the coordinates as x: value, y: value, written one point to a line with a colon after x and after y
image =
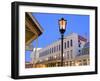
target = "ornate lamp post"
x: 62, y: 28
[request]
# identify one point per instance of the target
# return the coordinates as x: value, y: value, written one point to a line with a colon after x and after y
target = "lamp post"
x: 62, y: 28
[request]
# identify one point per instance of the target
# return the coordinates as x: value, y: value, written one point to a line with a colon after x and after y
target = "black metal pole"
x: 62, y: 35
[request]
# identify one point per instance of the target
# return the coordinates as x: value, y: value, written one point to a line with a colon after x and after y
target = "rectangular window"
x: 67, y: 54
x: 79, y: 52
x: 79, y: 45
x: 49, y: 51
x: 71, y: 43
x: 57, y: 47
x: 71, y: 53
x: 67, y: 44
x: 52, y: 50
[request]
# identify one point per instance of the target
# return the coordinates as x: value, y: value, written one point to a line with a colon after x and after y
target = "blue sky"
x: 49, y: 22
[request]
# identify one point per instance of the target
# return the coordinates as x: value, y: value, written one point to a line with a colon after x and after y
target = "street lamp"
x: 62, y: 28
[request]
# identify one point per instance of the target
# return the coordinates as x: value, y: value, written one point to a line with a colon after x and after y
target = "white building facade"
x: 50, y: 56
